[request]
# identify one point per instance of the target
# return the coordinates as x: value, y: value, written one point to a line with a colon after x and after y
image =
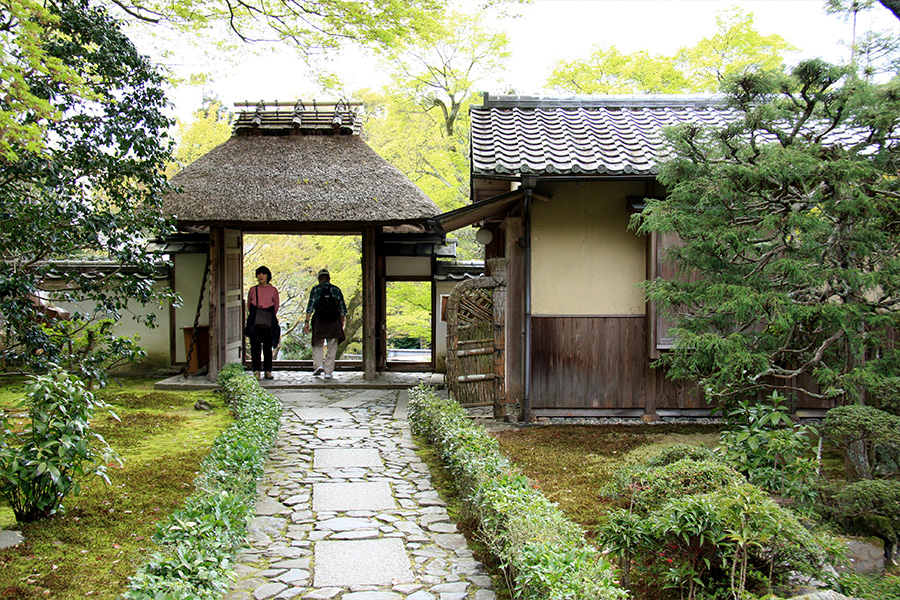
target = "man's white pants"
x: 319, y: 353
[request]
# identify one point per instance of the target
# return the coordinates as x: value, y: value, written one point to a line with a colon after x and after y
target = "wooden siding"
x: 588, y: 362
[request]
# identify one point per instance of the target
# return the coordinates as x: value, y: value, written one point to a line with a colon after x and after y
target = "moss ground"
x: 570, y: 463
x: 91, y: 549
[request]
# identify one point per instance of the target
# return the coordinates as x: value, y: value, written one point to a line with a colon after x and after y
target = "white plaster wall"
x: 154, y: 341
x: 585, y: 260
x: 188, y: 277
x: 407, y: 266
x: 442, y: 288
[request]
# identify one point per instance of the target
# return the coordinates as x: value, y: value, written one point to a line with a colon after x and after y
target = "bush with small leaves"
x: 885, y: 394
x: 47, y: 460
x: 641, y: 488
x: 868, y: 507
x: 198, y: 543
x: 682, y: 452
x: 545, y: 554
x: 869, y: 438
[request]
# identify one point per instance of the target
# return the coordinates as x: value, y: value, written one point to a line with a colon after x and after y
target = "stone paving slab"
x: 374, y: 495
x: 326, y: 413
x: 325, y: 458
x: 333, y: 433
x: 341, y: 517
x: 10, y: 538
x: 362, y: 562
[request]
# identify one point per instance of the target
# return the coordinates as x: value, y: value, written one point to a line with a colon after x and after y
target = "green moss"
x: 92, y: 549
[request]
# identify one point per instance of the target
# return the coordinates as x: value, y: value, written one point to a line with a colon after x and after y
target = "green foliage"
x: 869, y: 438
x: 763, y: 443
x: 696, y: 526
x: 885, y: 394
x: 789, y: 237
x: 543, y: 552
x: 734, y: 48
x: 93, y: 193
x: 679, y: 452
x: 640, y: 487
x: 89, y: 349
x: 871, y: 587
x: 211, y: 126
x: 47, y: 460
x: 867, y: 507
x: 409, y: 314
x: 200, y: 541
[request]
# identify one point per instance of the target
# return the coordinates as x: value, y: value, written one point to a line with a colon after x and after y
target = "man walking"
x: 328, y: 312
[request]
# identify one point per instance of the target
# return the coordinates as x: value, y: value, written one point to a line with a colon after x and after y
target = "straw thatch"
x: 287, y: 180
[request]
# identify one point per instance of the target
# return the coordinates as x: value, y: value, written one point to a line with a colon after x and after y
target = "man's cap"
x: 324, y: 272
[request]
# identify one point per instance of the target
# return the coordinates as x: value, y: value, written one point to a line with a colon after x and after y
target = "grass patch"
x: 569, y: 463
x: 92, y: 549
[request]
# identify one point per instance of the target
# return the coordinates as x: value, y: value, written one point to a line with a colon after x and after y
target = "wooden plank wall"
x: 600, y: 362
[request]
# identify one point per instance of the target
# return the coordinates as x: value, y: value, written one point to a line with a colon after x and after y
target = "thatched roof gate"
x: 293, y: 168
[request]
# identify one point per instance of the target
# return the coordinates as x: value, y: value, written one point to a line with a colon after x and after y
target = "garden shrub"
x: 47, y: 460
x: 696, y: 526
x: 543, y: 552
x: 199, y: 542
x: 762, y: 442
x: 885, y: 394
x: 681, y: 452
x: 869, y: 438
x: 868, y: 507
x: 641, y: 488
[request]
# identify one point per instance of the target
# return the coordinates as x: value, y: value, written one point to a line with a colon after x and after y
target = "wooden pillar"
x: 216, y: 301
x: 498, y: 268
x: 369, y: 283
x: 515, y: 310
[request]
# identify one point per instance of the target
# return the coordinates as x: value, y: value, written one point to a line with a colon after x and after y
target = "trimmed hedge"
x: 545, y: 553
x: 199, y: 542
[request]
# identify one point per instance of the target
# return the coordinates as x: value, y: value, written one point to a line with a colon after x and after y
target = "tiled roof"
x: 612, y: 135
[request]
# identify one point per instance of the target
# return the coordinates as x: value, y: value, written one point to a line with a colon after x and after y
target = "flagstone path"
x: 347, y: 511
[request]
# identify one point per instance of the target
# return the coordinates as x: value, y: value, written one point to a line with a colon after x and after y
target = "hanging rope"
x: 193, y: 343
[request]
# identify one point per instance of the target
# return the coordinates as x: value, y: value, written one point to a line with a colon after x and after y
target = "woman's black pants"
x: 261, y: 344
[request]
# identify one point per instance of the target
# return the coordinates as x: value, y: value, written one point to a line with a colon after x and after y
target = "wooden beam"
x: 369, y: 283
x: 515, y: 310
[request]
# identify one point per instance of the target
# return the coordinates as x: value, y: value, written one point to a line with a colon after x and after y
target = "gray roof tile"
x: 600, y: 136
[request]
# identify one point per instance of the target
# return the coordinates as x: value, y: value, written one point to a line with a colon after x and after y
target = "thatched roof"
x: 287, y: 176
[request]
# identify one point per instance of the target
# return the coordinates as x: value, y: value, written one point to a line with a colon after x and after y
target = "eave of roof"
x: 603, y: 136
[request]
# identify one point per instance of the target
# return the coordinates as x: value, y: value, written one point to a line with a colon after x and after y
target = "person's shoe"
x: 318, y: 371
x: 269, y: 375
x: 327, y: 375
x: 256, y: 374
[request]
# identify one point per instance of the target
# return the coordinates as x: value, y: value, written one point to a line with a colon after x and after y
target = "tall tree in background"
x: 211, y: 126
x: 92, y: 189
x: 871, y: 52
x: 420, y: 122
x: 735, y: 47
x: 790, y: 217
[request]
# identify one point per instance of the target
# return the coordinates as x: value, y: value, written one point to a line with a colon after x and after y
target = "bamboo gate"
x: 476, y: 367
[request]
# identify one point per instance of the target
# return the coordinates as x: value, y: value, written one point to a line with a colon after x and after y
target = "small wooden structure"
x: 299, y: 167
x: 476, y: 316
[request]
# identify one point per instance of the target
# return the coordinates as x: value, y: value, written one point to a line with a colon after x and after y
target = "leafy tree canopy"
x: 735, y: 47
x: 211, y: 126
x: 92, y: 189
x: 790, y: 229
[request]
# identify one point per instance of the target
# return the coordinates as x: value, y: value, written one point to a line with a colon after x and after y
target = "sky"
x: 549, y: 31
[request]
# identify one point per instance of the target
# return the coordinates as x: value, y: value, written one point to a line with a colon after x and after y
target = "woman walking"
x: 263, y: 301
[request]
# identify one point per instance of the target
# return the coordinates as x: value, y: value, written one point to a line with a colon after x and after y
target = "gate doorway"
x: 294, y: 260
x: 409, y: 330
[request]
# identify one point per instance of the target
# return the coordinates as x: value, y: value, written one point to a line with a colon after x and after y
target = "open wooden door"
x: 225, y: 298
x: 234, y: 295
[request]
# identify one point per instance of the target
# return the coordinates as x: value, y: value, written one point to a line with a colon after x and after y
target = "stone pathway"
x: 347, y: 510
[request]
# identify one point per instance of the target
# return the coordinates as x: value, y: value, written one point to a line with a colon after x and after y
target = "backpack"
x: 327, y: 309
